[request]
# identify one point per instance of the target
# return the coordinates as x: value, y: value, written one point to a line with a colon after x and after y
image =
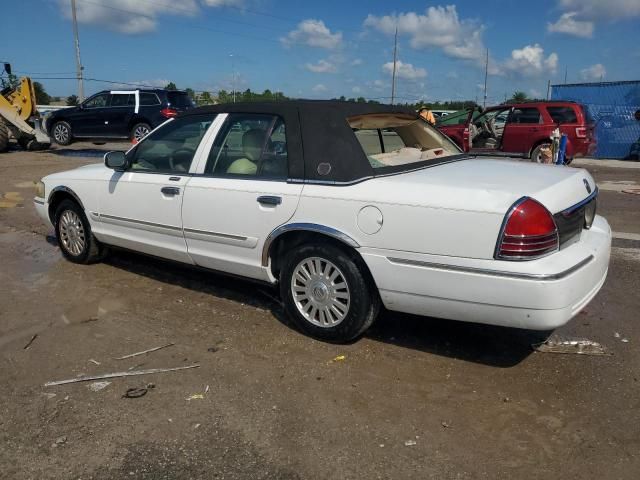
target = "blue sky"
x: 328, y: 48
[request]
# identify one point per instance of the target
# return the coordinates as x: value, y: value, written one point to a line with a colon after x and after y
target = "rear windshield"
x: 395, y: 140
x: 179, y: 99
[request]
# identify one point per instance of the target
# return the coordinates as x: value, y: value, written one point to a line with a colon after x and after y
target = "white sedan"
x: 347, y: 207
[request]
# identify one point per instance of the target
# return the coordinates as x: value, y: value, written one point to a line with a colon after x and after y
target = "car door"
x: 118, y: 114
x: 140, y: 208
x: 89, y: 122
x: 522, y: 130
x: 241, y: 193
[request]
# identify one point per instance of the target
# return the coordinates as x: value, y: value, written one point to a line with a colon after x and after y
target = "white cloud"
x: 594, y: 72
x: 356, y: 89
x: 602, y: 9
x: 379, y: 84
x: 569, y: 25
x: 356, y: 62
x: 405, y: 70
x: 223, y: 3
x: 530, y: 60
x: 319, y: 88
x: 134, y: 16
x: 439, y: 27
x: 313, y: 33
x: 321, y: 67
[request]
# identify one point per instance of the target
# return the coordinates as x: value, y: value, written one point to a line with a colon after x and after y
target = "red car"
x: 522, y: 128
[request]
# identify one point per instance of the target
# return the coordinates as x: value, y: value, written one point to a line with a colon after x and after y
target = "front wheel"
x: 327, y: 294
x: 76, y: 241
x: 61, y: 133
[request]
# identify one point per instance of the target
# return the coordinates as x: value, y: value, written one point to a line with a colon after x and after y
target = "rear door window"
x: 122, y: 100
x: 525, y: 115
x: 562, y: 114
x: 97, y: 101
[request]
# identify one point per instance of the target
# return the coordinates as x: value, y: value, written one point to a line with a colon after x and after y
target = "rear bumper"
x: 540, y: 295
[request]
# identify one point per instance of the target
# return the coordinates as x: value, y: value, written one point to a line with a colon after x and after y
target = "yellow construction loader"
x: 17, y: 108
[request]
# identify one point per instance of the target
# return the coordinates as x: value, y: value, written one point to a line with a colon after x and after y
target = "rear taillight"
x: 168, y: 112
x: 581, y: 132
x: 528, y: 232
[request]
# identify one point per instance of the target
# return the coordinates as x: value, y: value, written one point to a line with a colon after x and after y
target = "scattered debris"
x: 59, y: 441
x: 580, y: 347
x: 87, y: 378
x: 145, y: 351
x: 445, y: 425
x: 625, y: 340
x: 195, y: 396
x: 381, y: 445
x: 633, y: 191
x: 49, y: 395
x: 35, y: 335
x: 206, y: 389
x: 135, y: 392
x: 506, y: 399
x: 197, y: 425
x: 90, y: 319
x: 212, y: 349
x: 94, y: 361
x: 410, y: 443
x: 616, y: 335
x: 339, y: 358
x: 97, y: 386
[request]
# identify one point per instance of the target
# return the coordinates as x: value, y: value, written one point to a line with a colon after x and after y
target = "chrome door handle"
x: 170, y: 190
x: 269, y: 200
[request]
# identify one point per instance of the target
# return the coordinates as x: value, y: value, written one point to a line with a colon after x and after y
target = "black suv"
x: 116, y: 114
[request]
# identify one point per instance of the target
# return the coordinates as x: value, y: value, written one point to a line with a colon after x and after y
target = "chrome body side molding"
x: 494, y: 273
x: 308, y: 227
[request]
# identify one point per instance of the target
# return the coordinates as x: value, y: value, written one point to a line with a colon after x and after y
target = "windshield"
x: 392, y: 140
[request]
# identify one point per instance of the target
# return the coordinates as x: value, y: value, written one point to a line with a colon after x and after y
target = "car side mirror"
x: 116, y: 160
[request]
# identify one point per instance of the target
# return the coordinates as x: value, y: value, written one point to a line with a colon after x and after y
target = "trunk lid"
x: 493, y: 185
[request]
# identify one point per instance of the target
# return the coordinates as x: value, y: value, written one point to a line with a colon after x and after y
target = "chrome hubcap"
x: 320, y: 292
x: 61, y: 133
x: 72, y: 232
x: 140, y: 133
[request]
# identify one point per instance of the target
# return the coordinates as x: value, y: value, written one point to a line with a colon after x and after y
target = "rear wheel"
x: 327, y: 293
x: 536, y: 155
x: 61, y: 133
x: 139, y: 131
x: 4, y: 137
x: 76, y: 241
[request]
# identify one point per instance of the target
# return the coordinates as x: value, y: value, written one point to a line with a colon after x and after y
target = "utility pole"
x: 233, y: 76
x: 486, y: 73
x: 77, y: 43
x: 548, y: 88
x: 395, y: 60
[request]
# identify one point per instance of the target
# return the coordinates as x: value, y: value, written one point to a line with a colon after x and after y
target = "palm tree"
x: 518, y: 97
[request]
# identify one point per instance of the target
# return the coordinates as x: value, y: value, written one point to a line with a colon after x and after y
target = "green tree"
x: 72, y: 100
x: 205, y: 99
x: 171, y: 86
x: 42, y: 97
x: 518, y: 97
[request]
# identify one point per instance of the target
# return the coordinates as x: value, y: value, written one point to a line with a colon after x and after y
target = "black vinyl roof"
x: 321, y: 145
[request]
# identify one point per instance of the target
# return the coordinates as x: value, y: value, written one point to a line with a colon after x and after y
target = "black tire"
x: 61, y: 133
x: 4, y: 137
x: 535, y: 154
x: 363, y: 303
x: 92, y: 251
x: 138, y: 131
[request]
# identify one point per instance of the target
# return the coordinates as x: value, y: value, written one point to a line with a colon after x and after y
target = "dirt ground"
x: 415, y: 398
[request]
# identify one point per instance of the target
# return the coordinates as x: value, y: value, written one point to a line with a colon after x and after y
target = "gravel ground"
x: 415, y: 398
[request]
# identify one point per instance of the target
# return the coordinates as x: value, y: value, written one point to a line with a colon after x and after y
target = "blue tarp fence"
x: 612, y: 106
